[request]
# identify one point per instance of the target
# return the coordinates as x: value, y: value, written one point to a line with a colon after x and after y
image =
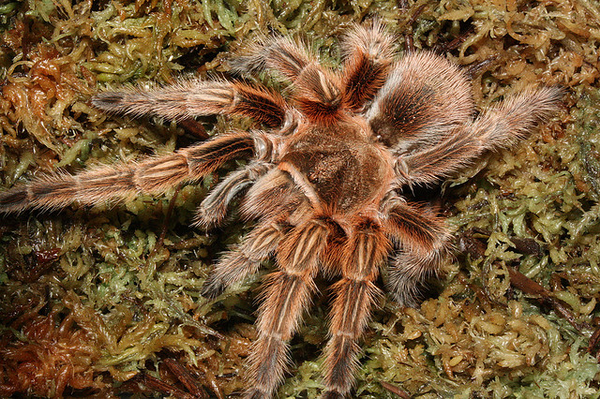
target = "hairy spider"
x: 324, y: 181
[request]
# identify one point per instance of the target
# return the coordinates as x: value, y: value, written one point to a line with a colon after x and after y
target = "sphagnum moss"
x: 115, y: 295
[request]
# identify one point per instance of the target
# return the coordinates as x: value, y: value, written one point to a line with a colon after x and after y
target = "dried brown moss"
x: 96, y: 297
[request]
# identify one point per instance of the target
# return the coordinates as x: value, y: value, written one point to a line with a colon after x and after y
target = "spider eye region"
x: 344, y: 173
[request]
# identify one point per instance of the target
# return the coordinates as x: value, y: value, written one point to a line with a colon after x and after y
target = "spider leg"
x: 408, y: 273
x: 509, y: 121
x: 281, y: 54
x: 424, y: 241
x: 355, y: 295
x: 316, y: 90
x: 213, y: 208
x: 286, y: 294
x: 245, y: 260
x: 273, y: 195
x: 368, y: 55
x: 190, y: 98
x: 273, y: 200
x: 500, y: 126
x: 154, y: 175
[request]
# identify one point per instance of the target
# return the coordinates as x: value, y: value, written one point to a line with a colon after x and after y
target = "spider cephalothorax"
x: 324, y: 179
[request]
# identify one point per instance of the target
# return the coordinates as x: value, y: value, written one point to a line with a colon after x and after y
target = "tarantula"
x: 328, y: 165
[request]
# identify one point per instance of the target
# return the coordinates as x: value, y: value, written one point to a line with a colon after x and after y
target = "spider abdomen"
x: 412, y: 108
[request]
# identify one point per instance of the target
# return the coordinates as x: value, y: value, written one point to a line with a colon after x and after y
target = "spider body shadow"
x: 324, y: 179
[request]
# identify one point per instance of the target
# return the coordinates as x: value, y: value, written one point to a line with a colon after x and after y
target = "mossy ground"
x: 92, y: 300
